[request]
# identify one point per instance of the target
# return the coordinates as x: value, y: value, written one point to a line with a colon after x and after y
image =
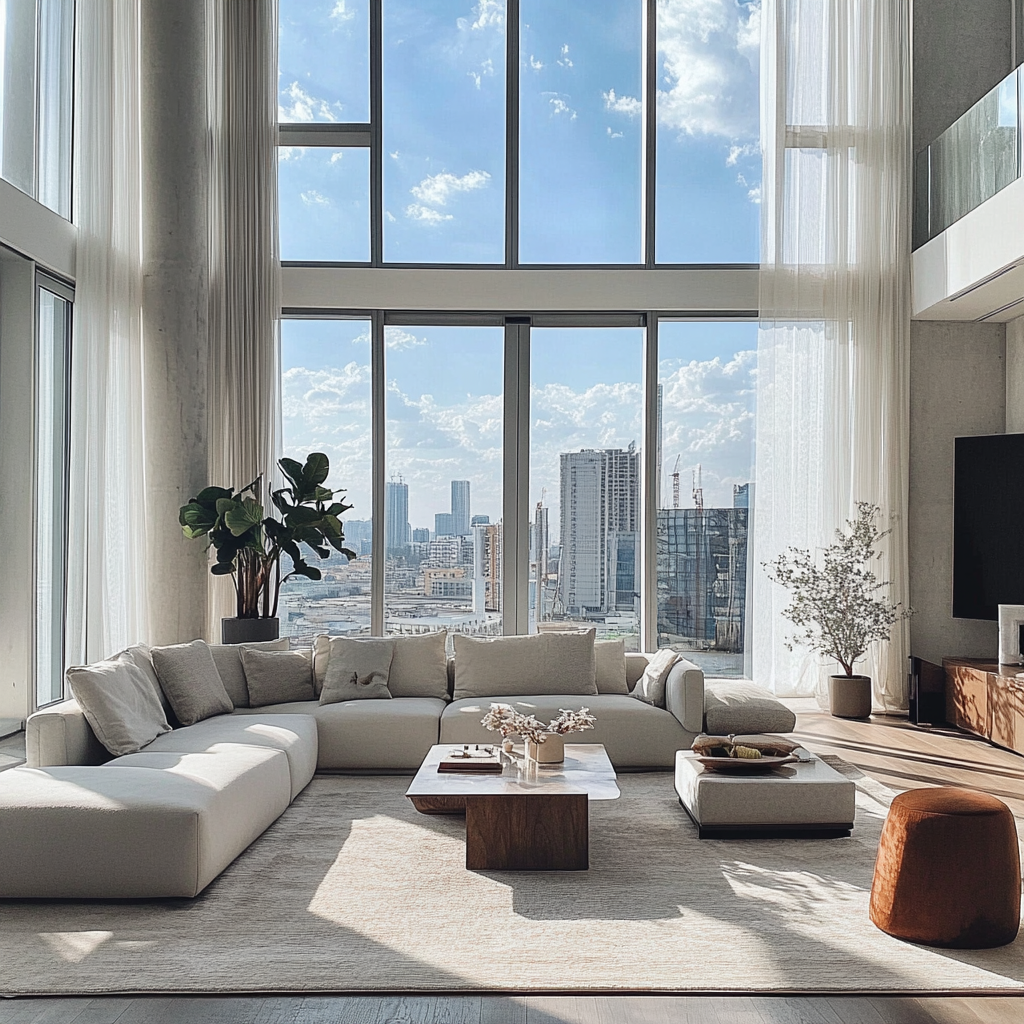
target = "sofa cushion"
x: 119, y: 702
x: 358, y: 669
x: 228, y: 659
x: 738, y: 706
x: 372, y: 735
x: 152, y: 825
x: 295, y: 735
x: 525, y: 665
x: 59, y: 734
x: 189, y: 677
x: 636, y: 735
x: 650, y: 687
x: 420, y: 666
x: 610, y: 666
x: 276, y: 677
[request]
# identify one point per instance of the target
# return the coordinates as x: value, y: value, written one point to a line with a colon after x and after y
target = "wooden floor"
x: 888, y: 749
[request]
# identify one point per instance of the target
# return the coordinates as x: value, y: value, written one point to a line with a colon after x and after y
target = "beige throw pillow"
x: 420, y: 666
x: 228, y: 659
x: 610, y: 659
x: 119, y: 702
x: 276, y: 677
x: 524, y: 666
x: 189, y: 678
x: 357, y: 669
x: 650, y: 687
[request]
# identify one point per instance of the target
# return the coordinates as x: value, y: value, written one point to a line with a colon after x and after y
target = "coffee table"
x: 531, y: 817
x: 805, y: 799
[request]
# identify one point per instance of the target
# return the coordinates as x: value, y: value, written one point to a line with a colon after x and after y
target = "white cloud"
x: 314, y: 198
x: 754, y: 195
x: 396, y: 338
x: 628, y: 105
x: 300, y: 105
x: 737, y: 152
x: 536, y: 64
x: 486, y: 14
x: 614, y: 135
x: 438, y: 188
x: 559, y: 106
x: 393, y: 155
x: 414, y: 211
x: 710, y: 50
x: 291, y: 152
x: 476, y: 78
x: 487, y: 67
x: 341, y: 13
x: 335, y: 157
x: 564, y: 60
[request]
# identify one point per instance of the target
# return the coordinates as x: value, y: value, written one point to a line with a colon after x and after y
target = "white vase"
x: 550, y: 751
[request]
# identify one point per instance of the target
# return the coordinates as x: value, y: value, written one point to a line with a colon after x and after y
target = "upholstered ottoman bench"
x: 808, y: 798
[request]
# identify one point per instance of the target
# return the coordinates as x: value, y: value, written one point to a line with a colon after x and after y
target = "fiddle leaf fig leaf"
x: 316, y: 469
x: 243, y: 517
x: 292, y: 470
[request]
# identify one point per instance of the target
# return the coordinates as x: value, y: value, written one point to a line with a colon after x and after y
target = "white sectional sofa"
x: 165, y: 821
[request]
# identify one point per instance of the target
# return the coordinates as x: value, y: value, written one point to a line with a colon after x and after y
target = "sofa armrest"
x: 59, y: 735
x: 684, y: 695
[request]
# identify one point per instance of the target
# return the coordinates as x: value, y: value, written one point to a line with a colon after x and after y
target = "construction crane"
x: 675, y: 483
x: 698, y: 491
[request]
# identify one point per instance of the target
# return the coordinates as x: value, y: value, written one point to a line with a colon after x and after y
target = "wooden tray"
x: 745, y: 766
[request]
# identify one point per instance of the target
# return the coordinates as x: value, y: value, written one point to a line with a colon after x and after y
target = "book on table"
x: 472, y: 759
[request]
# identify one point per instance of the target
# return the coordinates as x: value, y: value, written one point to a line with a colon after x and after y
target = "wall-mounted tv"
x: 988, y: 524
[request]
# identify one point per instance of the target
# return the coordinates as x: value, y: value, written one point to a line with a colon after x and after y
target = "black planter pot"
x: 249, y: 631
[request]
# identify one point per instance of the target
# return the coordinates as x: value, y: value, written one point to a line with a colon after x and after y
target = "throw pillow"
x: 650, y: 687
x: 610, y: 662
x: 525, y: 666
x: 276, y: 677
x: 742, y: 707
x: 189, y: 678
x: 420, y: 666
x: 357, y: 669
x: 119, y: 702
x: 228, y: 659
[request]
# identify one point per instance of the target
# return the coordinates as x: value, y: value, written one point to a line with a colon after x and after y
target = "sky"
x: 580, y: 202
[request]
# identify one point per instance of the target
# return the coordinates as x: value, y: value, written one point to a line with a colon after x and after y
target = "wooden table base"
x: 528, y: 833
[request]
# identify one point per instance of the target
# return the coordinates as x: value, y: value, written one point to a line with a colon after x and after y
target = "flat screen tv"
x: 988, y: 524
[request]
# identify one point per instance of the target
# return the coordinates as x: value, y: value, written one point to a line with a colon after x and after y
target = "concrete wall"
x: 962, y: 48
x: 957, y: 387
x: 1015, y: 376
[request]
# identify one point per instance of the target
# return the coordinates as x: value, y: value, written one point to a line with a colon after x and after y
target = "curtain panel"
x: 107, y: 607
x: 244, y: 370
x: 833, y: 345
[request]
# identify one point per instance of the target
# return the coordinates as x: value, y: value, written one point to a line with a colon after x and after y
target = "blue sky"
x: 580, y: 201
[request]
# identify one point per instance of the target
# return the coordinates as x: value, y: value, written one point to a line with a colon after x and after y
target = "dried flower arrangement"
x: 503, y: 719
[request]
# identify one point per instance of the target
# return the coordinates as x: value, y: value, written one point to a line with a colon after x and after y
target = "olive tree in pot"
x: 249, y: 545
x: 839, y: 607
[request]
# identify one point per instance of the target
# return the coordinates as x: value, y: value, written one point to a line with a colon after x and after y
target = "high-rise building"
x: 487, y: 566
x: 479, y: 520
x: 741, y: 495
x: 600, y: 524
x: 460, y: 507
x: 421, y: 536
x: 444, y: 524
x: 396, y: 515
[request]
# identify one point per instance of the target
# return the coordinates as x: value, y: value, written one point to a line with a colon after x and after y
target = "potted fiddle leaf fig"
x: 839, y: 606
x: 249, y: 544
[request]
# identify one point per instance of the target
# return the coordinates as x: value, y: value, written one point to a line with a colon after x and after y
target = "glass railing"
x: 973, y: 159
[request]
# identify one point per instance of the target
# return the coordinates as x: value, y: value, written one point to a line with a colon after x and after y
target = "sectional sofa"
x: 167, y: 819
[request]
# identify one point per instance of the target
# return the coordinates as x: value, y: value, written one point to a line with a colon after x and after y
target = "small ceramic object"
x: 550, y: 751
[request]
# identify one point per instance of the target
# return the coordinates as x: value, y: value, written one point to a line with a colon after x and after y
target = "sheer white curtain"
x: 833, y: 349
x: 244, y: 375
x: 107, y: 603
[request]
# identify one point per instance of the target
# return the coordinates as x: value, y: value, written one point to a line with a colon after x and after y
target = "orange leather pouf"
x: 948, y: 870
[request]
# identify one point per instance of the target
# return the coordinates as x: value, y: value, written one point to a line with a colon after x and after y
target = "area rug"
x: 354, y: 891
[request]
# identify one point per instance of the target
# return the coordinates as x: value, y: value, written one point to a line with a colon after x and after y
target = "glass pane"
x: 56, y: 39
x: 51, y: 394
x: 324, y: 203
x: 324, y: 60
x: 17, y: 93
x: 585, y: 430
x: 581, y: 131
x: 444, y: 131
x: 708, y: 189
x: 706, y: 381
x: 325, y: 386
x: 442, y: 510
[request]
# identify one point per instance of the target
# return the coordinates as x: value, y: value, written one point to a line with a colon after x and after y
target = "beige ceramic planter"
x: 551, y: 751
x: 849, y: 696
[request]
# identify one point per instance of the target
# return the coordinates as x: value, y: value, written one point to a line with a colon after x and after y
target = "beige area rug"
x: 354, y: 891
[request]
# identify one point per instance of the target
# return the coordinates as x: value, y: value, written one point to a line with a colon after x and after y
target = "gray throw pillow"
x: 228, y: 659
x: 650, y: 687
x: 743, y: 707
x: 525, y: 666
x: 610, y: 664
x: 420, y: 666
x: 189, y: 678
x: 357, y: 669
x: 119, y: 702
x: 276, y: 677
